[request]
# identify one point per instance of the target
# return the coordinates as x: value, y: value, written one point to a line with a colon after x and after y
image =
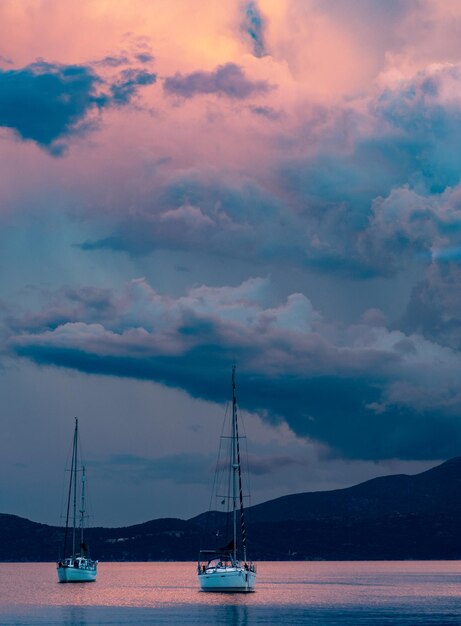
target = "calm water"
x: 287, y: 593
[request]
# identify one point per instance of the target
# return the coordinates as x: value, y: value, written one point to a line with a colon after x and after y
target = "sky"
x: 187, y: 185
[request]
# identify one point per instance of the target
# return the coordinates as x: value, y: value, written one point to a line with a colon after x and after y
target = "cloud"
x: 364, y: 391
x: 226, y: 80
x: 203, y: 211
x: 252, y: 26
x: 128, y: 84
x: 376, y: 190
x: 363, y: 190
x: 435, y: 305
x: 66, y: 305
x: 114, y: 60
x: 44, y: 102
x: 50, y: 102
x: 145, y: 57
x: 424, y: 112
x: 267, y: 112
x: 374, y: 24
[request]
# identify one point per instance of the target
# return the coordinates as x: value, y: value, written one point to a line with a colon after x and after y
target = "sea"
x: 314, y: 593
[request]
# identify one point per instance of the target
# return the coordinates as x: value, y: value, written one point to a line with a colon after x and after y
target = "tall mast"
x: 75, y: 485
x: 70, y: 490
x: 239, y: 469
x: 82, y: 511
x: 234, y: 461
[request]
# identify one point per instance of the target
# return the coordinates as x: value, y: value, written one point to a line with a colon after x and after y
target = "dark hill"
x: 436, y: 490
x: 392, y: 517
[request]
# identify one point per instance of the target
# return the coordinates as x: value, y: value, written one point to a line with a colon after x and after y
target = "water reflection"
x: 75, y: 616
x: 318, y: 594
x: 232, y: 615
x: 228, y: 615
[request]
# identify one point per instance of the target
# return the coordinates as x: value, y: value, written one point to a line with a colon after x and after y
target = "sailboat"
x: 77, y: 568
x: 221, y: 569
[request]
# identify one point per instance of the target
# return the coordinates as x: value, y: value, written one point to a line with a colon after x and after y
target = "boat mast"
x: 70, y: 489
x: 239, y: 469
x: 82, y: 511
x: 234, y: 461
x: 75, y: 485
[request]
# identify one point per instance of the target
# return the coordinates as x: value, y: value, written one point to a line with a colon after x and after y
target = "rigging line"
x: 228, y: 476
x: 224, y: 472
x: 215, y: 487
x: 82, y: 508
x: 242, y: 515
x: 247, y: 473
x: 63, y: 499
x: 84, y: 467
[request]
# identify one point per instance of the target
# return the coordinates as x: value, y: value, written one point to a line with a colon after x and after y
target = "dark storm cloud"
x: 226, y: 80
x: 253, y: 26
x: 49, y: 102
x: 44, y: 102
x: 364, y: 391
x: 128, y: 84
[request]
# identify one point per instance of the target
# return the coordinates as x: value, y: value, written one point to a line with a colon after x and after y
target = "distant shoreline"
x: 391, y: 518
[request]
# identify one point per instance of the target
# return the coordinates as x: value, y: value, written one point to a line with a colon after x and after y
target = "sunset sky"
x: 186, y: 185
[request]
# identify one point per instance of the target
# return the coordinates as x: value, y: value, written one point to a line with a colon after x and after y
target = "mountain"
x: 434, y: 491
x: 392, y: 517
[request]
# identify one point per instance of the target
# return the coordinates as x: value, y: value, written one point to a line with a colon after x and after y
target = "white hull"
x: 76, y: 575
x: 228, y: 579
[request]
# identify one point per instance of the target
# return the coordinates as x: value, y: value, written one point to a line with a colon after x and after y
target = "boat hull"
x: 230, y: 580
x: 76, y: 575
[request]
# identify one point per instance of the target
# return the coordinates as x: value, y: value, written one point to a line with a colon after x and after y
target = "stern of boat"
x: 68, y: 573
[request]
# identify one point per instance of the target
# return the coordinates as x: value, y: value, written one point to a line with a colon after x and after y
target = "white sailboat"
x: 77, y: 568
x: 221, y: 569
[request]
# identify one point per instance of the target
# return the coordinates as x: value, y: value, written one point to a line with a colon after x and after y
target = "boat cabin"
x: 79, y: 562
x: 211, y: 561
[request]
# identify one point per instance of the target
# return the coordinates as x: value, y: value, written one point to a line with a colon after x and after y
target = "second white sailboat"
x: 221, y: 569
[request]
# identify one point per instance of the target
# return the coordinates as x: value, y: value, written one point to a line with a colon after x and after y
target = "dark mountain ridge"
x: 391, y: 517
x: 435, y: 490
